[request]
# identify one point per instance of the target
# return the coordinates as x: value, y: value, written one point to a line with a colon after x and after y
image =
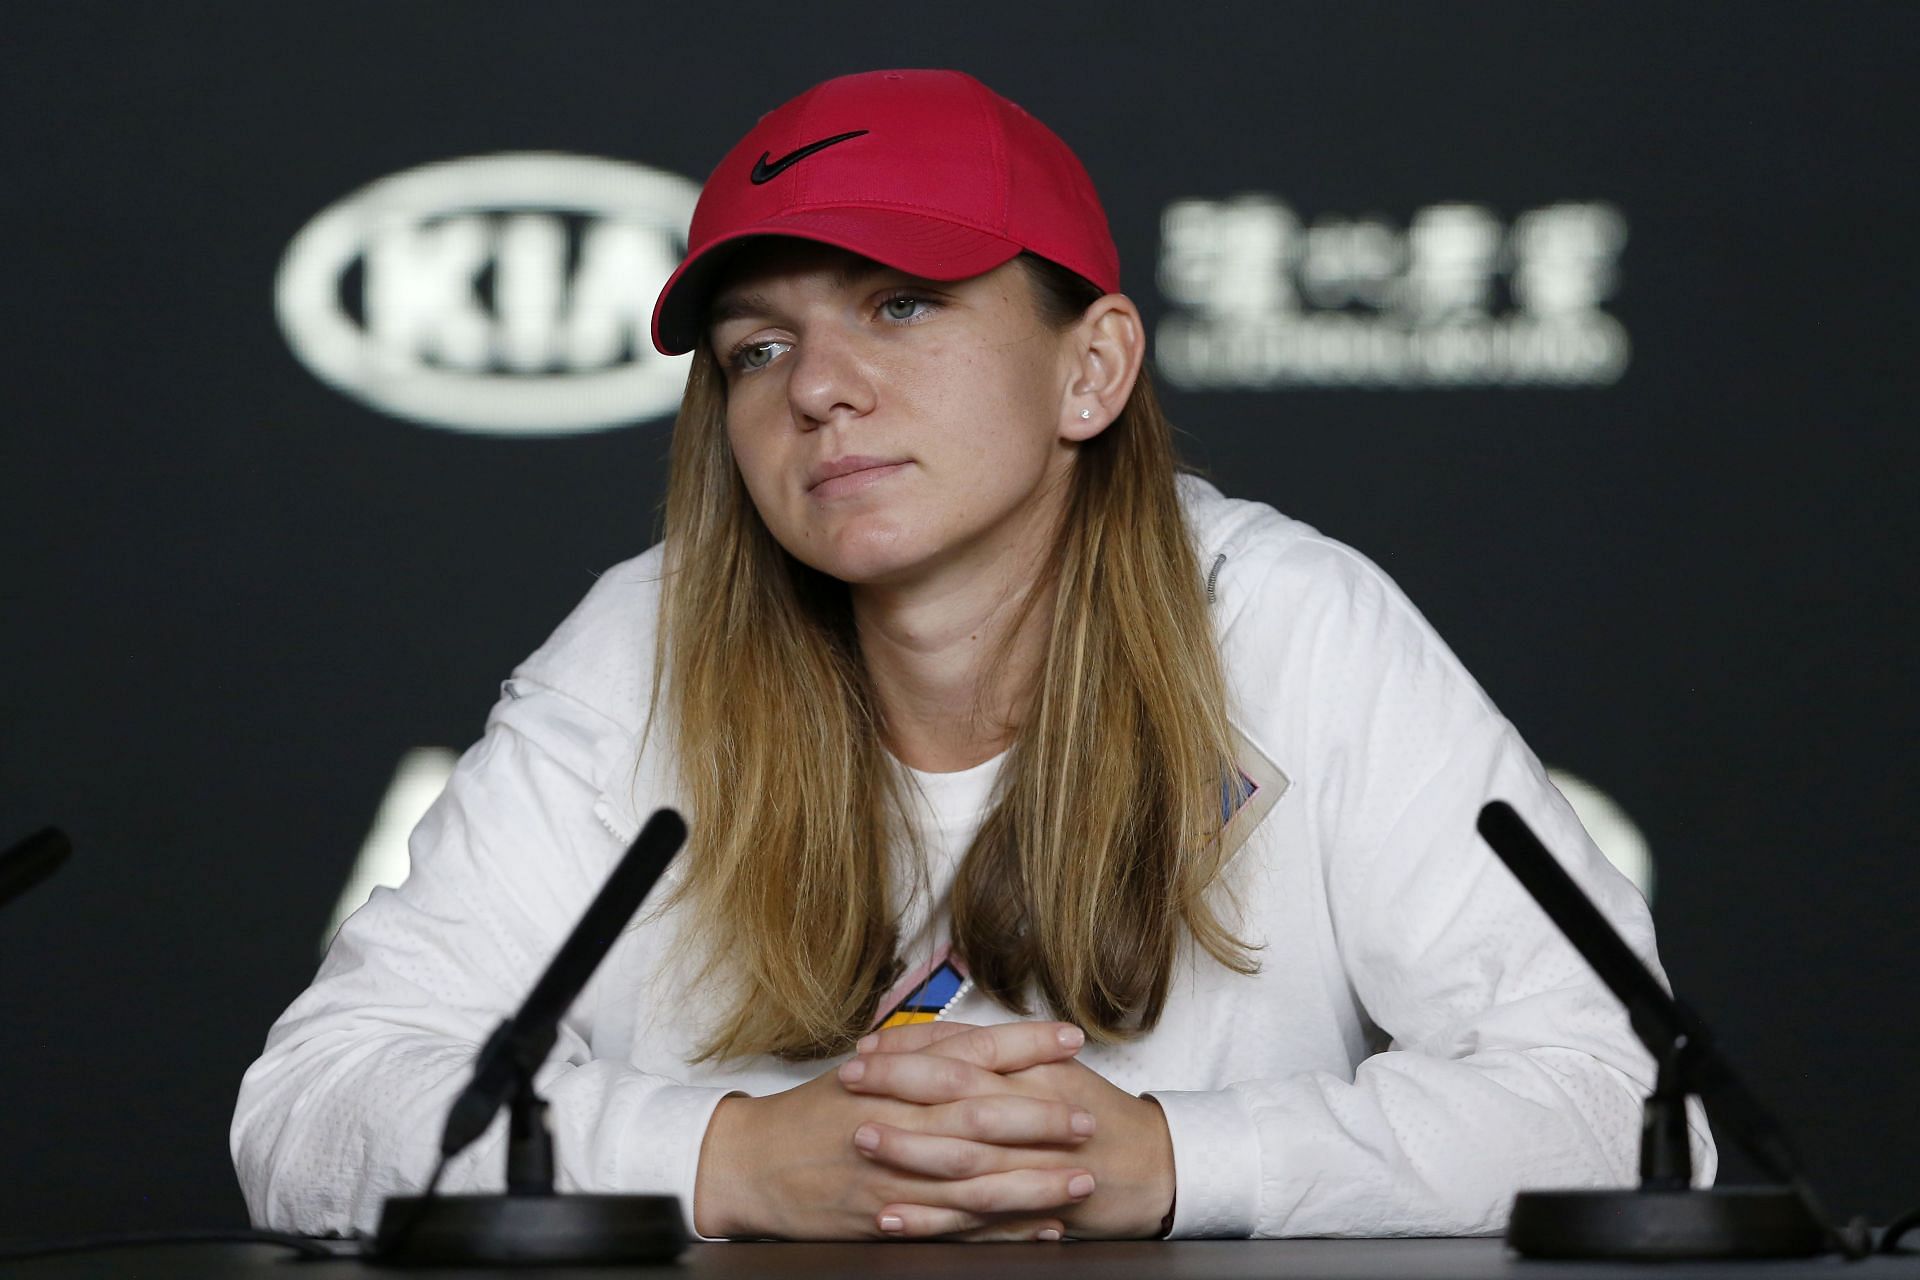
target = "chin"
x: 869, y: 555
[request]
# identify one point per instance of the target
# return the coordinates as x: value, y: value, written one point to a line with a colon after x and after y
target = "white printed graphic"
x: 1456, y: 298
x: 505, y: 294
x: 417, y: 783
x: 1611, y: 829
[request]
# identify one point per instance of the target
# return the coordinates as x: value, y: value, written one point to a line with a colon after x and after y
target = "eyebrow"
x: 737, y: 306
x: 740, y: 306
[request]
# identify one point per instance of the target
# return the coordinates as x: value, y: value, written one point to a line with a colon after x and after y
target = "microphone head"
x: 32, y: 860
x: 667, y: 826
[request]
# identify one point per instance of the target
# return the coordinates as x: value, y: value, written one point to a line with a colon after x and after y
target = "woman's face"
x: 892, y: 429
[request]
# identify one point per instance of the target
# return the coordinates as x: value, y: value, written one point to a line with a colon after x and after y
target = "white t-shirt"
x: 945, y: 810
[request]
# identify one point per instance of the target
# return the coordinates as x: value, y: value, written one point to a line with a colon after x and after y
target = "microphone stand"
x: 530, y: 1223
x: 1665, y: 1216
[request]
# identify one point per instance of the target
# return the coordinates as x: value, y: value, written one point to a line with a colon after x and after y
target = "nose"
x: 828, y: 378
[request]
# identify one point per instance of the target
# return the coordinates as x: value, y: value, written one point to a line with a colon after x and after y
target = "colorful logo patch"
x: 924, y: 994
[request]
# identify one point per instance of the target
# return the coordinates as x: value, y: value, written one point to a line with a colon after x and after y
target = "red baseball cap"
x: 928, y: 172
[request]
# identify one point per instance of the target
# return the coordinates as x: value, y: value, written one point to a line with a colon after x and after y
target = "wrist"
x: 1161, y: 1186
x: 717, y: 1203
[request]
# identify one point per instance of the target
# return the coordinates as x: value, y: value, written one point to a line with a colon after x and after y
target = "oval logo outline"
x: 344, y: 355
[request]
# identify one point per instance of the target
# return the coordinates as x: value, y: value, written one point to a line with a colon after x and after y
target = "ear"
x: 1105, y: 350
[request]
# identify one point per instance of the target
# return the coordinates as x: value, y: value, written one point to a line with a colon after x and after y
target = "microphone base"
x: 1717, y: 1222
x: 545, y: 1230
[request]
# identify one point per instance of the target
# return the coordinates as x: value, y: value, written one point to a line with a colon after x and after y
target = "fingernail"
x: 1082, y: 1122
x: 890, y: 1222
x: 1081, y: 1187
x: 1046, y: 1233
x: 852, y: 1071
x: 866, y: 1137
x: 867, y: 1044
x: 1071, y: 1037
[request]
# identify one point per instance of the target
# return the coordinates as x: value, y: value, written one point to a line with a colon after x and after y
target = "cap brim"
x: 910, y: 242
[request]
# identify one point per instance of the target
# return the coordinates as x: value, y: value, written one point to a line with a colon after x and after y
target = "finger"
x: 919, y: 1077
x: 979, y: 1201
x: 910, y: 1037
x: 929, y: 1155
x: 921, y: 1222
x: 1011, y: 1119
x: 1012, y: 1046
x: 1008, y: 1046
x: 1004, y: 1120
x: 1021, y: 1229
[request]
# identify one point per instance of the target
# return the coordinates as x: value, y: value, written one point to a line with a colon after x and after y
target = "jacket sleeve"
x: 345, y: 1105
x: 1506, y: 1063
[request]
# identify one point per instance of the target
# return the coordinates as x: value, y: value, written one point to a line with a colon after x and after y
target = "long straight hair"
x: 1102, y: 841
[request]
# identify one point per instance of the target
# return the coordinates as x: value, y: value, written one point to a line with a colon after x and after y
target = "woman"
x: 980, y: 717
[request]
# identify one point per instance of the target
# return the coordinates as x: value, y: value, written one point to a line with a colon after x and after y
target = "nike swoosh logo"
x: 764, y: 172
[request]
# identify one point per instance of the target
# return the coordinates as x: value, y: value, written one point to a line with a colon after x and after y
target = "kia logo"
x: 506, y: 294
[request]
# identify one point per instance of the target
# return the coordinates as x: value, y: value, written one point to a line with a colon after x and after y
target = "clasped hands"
x: 941, y: 1129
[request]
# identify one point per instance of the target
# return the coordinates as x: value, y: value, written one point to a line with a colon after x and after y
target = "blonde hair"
x: 1103, y: 841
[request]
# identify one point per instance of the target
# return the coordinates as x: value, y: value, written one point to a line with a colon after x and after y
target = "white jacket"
x: 1418, y: 1043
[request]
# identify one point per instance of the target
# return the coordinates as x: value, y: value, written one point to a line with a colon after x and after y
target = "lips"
x: 848, y: 473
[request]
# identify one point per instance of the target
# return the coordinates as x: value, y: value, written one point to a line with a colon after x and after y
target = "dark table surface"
x: 1145, y: 1260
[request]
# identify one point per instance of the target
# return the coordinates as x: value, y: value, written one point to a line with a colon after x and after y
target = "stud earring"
x: 1086, y: 415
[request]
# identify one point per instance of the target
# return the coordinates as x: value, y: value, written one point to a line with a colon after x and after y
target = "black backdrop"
x: 233, y: 596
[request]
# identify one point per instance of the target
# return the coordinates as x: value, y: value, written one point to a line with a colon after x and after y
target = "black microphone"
x: 530, y: 1224
x: 1665, y: 1217
x: 521, y: 1044
x: 1657, y: 1018
x: 32, y: 860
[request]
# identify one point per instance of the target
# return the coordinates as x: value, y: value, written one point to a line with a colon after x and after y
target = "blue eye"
x: 903, y: 306
x: 756, y: 355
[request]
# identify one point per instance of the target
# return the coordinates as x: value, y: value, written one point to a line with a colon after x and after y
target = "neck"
x: 952, y: 661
